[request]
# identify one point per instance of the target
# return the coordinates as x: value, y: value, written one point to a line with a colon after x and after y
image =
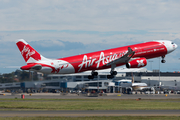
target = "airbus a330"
x: 133, y: 56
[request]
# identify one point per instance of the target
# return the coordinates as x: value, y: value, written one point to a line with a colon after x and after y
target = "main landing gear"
x: 163, y: 61
x: 92, y: 75
x: 113, y: 73
x: 111, y: 76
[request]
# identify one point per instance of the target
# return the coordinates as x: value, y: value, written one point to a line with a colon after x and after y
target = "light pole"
x: 159, y: 71
x: 149, y: 81
x: 175, y: 83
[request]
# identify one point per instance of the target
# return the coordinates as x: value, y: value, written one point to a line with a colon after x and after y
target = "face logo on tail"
x: 27, y: 51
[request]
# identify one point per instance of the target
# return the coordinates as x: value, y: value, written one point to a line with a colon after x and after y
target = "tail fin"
x: 29, y: 54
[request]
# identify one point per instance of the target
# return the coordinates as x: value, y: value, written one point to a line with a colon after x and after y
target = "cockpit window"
x: 172, y: 43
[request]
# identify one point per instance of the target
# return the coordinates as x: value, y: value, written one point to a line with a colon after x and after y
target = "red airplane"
x: 133, y: 56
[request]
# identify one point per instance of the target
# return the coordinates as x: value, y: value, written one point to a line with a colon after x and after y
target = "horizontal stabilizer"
x: 32, y: 66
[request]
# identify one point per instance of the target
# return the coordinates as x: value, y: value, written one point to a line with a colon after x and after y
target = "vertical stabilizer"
x: 29, y: 54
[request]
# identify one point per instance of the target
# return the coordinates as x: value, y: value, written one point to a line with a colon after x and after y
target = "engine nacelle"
x: 137, y: 63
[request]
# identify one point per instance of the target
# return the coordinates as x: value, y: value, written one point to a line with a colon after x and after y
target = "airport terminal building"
x: 80, y: 81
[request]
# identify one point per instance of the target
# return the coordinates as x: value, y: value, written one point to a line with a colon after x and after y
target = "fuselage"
x: 98, y: 60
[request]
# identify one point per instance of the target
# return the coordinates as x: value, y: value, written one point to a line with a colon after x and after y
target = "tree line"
x: 18, y: 76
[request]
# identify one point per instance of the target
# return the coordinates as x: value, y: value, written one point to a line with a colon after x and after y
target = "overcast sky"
x: 60, y: 28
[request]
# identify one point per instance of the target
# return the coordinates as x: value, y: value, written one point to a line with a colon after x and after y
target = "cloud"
x: 64, y: 28
x: 56, y: 45
x: 47, y: 43
x: 101, y: 15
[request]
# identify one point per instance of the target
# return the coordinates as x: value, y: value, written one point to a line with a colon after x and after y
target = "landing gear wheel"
x: 114, y: 73
x: 90, y: 77
x: 95, y: 74
x: 163, y: 61
x: 110, y: 76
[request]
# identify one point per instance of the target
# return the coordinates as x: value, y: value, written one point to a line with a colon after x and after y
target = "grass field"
x: 93, y: 118
x: 88, y: 104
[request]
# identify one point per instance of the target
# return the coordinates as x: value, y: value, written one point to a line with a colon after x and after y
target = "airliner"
x: 140, y: 86
x: 133, y: 56
x: 134, y: 86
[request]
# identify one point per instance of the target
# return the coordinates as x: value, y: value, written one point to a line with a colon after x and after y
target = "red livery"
x: 133, y: 56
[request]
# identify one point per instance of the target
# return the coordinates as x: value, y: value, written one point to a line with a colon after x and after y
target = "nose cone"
x: 169, y: 45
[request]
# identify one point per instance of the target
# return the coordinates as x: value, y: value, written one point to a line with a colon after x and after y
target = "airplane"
x: 140, y: 86
x: 133, y: 56
x: 133, y: 86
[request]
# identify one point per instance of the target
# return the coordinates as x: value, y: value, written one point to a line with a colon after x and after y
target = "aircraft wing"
x: 123, y: 59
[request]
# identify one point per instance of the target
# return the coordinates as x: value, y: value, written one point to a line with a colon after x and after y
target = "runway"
x: 75, y: 96
x: 82, y: 113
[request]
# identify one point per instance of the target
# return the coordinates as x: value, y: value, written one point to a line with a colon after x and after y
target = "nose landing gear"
x: 163, y: 61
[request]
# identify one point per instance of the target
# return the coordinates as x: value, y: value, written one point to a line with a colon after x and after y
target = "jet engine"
x: 137, y: 63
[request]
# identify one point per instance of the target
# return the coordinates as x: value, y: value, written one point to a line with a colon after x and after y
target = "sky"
x: 61, y: 28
